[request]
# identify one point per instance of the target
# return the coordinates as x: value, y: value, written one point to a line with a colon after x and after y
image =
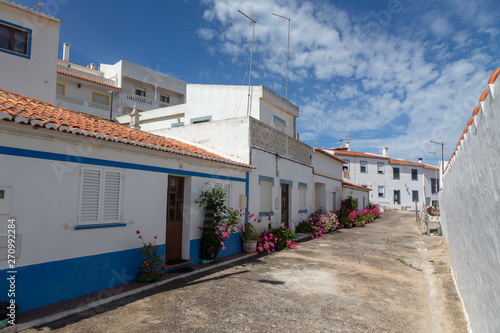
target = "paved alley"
x: 385, y: 277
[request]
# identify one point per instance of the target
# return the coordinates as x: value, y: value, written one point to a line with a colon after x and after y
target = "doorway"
x: 285, y: 202
x: 397, y: 197
x: 175, y: 207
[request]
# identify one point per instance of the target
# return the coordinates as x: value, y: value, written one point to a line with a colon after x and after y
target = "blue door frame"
x: 397, y: 194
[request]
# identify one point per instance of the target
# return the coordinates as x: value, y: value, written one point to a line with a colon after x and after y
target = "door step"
x: 176, y: 263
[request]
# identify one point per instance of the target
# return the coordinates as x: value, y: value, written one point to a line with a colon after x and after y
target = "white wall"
x: 288, y: 170
x: 45, y: 195
x: 470, y: 206
x: 41, y: 67
x: 328, y: 181
x: 356, y: 194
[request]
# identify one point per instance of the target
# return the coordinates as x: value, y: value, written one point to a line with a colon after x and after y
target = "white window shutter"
x: 302, y: 198
x: 265, y: 196
x: 90, y: 196
x: 111, y: 196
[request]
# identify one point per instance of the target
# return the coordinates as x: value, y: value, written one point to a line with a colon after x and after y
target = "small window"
x: 381, y: 191
x: 380, y: 168
x: 265, y: 195
x: 60, y: 89
x: 164, y: 99
x: 414, y: 174
x: 100, y: 98
x: 364, y: 167
x: 100, y: 196
x: 345, y: 169
x: 140, y: 92
x: 434, y: 185
x: 415, y: 196
x: 302, y: 198
x: 395, y: 173
x: 201, y: 120
x: 14, y: 39
x: 279, y: 124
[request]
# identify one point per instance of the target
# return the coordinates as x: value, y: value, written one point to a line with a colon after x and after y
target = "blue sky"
x: 387, y: 73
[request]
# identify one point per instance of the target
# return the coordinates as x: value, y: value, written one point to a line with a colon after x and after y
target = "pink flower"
x: 221, y: 243
x: 212, y: 255
x: 137, y: 232
x: 156, y: 237
x: 223, y: 247
x: 269, y: 216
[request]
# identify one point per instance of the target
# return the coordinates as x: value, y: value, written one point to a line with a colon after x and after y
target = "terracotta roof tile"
x: 14, y: 107
x: 322, y: 151
x: 476, y: 110
x: 484, y: 94
x: 86, y: 79
x: 494, y: 76
x: 471, y: 120
x: 356, y: 186
x: 354, y: 153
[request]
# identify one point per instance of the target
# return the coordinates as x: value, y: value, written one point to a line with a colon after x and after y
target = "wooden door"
x: 175, y: 207
x: 285, y: 204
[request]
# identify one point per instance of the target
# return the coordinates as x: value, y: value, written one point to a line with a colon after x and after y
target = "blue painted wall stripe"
x: 96, y: 161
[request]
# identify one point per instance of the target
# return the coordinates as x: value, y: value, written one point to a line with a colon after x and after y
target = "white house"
x: 28, y: 49
x: 360, y: 193
x: 396, y: 183
x: 259, y: 131
x: 78, y: 188
x: 328, y: 189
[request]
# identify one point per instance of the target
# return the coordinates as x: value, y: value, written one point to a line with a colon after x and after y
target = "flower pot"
x: 250, y: 246
x: 206, y: 261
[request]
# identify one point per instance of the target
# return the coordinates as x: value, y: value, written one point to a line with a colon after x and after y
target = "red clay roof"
x: 322, y: 151
x: 356, y: 186
x: 25, y: 110
x: 393, y: 161
x: 355, y: 153
x: 86, y: 79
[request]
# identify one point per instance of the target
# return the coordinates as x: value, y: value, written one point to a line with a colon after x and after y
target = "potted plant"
x: 220, y: 222
x: 151, y: 261
x: 249, y: 237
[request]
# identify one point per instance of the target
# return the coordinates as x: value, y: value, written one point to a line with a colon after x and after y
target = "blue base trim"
x: 96, y: 161
x: 84, y: 227
x: 233, y: 245
x: 43, y: 284
x: 302, y: 211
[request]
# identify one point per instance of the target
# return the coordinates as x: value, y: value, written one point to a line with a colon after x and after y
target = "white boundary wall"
x: 470, y: 203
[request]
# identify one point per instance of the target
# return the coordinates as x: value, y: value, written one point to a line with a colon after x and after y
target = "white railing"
x: 139, y: 99
x: 85, y: 106
x: 69, y: 99
x: 85, y: 75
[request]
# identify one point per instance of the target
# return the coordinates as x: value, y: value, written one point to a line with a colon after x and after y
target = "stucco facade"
x: 38, y: 61
x: 470, y: 202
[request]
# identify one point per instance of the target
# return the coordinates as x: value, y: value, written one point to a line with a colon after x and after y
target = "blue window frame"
x: 381, y: 191
x: 15, y: 39
x: 414, y: 174
x: 414, y: 195
x: 363, y: 166
x: 395, y: 173
x: 380, y: 168
x: 279, y: 119
x: 177, y: 124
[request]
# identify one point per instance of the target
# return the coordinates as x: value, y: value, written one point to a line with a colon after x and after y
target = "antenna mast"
x: 249, y: 105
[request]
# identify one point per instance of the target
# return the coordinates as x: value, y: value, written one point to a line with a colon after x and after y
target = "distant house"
x: 360, y: 193
x: 328, y: 188
x: 396, y: 183
x: 260, y: 131
x: 28, y: 49
x: 79, y: 187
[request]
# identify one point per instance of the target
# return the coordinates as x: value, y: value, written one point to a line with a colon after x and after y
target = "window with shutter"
x: 265, y: 196
x: 100, y: 196
x: 226, y: 187
x: 302, y: 198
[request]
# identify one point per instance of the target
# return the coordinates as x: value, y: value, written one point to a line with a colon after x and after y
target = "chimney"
x: 341, y: 144
x: 385, y: 152
x: 348, y: 146
x: 134, y: 119
x: 92, y: 66
x: 65, y: 51
x: 420, y: 160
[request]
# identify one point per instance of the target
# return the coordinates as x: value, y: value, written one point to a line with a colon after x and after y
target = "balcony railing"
x: 85, y: 75
x: 139, y: 99
x: 75, y: 104
x: 266, y: 137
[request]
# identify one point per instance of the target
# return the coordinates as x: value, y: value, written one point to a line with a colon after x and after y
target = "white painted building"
x: 262, y: 133
x: 79, y: 187
x: 395, y: 183
x: 143, y: 87
x: 328, y: 189
x: 28, y: 51
x: 360, y: 193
